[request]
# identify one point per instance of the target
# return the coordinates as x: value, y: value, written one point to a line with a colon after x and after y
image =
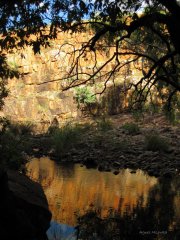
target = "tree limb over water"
x: 143, y: 32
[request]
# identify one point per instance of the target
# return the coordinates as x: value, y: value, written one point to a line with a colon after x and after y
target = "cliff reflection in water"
x: 74, y: 189
x: 158, y: 220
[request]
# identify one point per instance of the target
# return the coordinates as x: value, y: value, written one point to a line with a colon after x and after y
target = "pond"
x: 143, y: 205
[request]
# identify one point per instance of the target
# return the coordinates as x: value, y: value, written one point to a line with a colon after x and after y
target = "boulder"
x: 24, y: 213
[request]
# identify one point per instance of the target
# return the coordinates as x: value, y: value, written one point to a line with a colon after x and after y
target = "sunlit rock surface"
x: 36, y: 96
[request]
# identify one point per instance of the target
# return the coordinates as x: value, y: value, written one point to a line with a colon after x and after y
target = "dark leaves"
x: 82, y: 5
x: 36, y: 47
x: 137, y: 7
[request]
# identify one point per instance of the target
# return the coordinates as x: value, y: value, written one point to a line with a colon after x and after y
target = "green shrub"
x: 172, y: 116
x: 21, y: 128
x: 13, y: 65
x: 52, y: 129
x: 131, y: 128
x: 84, y: 96
x: 65, y: 138
x: 13, y: 144
x: 86, y: 127
x: 154, y: 142
x: 104, y: 124
x: 121, y: 145
x: 138, y: 115
x: 11, y: 148
x: 98, y: 140
x: 4, y: 123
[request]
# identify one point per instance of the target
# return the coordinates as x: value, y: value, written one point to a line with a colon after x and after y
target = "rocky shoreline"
x: 114, y: 149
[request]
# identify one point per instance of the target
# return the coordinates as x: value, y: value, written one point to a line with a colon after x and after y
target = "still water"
x: 74, y: 190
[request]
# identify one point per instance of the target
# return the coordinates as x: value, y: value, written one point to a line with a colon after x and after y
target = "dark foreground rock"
x: 24, y: 213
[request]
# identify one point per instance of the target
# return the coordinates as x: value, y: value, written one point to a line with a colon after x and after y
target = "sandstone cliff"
x: 37, y: 95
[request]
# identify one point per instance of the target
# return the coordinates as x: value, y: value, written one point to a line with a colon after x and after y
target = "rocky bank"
x: 115, y: 148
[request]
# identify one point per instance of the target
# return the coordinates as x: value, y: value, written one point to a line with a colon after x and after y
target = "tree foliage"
x: 145, y: 30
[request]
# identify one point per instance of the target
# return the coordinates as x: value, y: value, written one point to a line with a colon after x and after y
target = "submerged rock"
x: 24, y: 210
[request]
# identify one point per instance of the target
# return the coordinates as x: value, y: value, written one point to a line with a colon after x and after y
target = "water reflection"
x: 158, y: 220
x: 74, y: 189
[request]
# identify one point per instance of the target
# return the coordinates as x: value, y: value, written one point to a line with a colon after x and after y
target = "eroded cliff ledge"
x: 37, y: 95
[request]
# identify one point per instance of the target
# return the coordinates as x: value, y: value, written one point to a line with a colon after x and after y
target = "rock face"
x: 24, y: 213
x: 37, y: 95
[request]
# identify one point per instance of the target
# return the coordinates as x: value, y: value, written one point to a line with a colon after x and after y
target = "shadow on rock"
x: 23, y: 208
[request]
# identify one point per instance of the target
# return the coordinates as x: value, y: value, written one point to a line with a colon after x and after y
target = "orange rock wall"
x: 37, y: 95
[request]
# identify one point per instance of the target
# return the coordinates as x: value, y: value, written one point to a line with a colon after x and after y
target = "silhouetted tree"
x: 145, y: 30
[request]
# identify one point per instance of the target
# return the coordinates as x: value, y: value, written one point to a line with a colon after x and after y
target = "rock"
x: 156, y: 174
x: 116, y: 172
x: 169, y: 150
x: 101, y: 168
x: 166, y: 129
x: 116, y: 164
x: 167, y: 174
x: 122, y: 157
x: 90, y: 162
x: 107, y: 170
x: 151, y: 172
x: 24, y: 213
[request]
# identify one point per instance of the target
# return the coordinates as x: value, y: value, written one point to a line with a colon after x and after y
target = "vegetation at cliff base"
x: 14, y: 142
x: 65, y: 138
x: 138, y: 33
x: 100, y: 81
x: 142, y: 32
x: 131, y: 128
x: 153, y: 142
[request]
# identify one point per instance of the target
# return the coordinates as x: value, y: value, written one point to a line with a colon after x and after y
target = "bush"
x: 11, y: 148
x: 84, y: 96
x: 52, y: 129
x: 65, y: 138
x: 13, y: 142
x: 131, y: 128
x: 104, y: 124
x: 154, y: 143
x: 121, y: 145
x: 138, y: 115
x: 21, y: 128
x: 172, y: 117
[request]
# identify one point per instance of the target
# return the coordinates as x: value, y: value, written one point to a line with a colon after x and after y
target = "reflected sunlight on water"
x: 74, y: 189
